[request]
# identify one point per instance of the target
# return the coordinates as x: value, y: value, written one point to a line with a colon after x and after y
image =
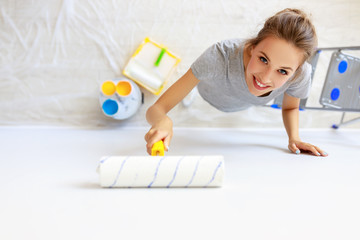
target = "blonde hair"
x: 292, y: 25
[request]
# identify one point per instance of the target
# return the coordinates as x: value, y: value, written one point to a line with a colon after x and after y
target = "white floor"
x: 49, y: 187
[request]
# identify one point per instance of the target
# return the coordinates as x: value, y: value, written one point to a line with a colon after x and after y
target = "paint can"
x: 120, y: 98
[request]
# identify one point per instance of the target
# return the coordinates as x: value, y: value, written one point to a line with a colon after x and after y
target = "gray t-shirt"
x: 220, y: 70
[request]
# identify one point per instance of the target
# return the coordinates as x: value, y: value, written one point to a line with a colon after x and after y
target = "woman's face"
x: 271, y: 63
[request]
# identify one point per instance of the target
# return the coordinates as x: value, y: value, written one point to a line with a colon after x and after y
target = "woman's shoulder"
x: 303, y: 75
x: 305, y: 71
x: 233, y: 43
x: 306, y: 67
x: 229, y: 47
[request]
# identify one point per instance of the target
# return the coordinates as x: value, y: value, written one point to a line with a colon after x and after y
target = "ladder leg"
x: 342, y: 123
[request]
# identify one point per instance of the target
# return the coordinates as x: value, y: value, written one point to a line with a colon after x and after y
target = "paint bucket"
x: 120, y: 98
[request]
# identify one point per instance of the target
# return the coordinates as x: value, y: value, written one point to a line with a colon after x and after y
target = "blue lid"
x: 276, y: 106
x: 335, y: 93
x: 342, y: 66
x: 110, y: 107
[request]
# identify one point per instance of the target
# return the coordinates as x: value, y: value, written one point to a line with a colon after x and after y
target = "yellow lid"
x: 123, y: 88
x: 108, y: 88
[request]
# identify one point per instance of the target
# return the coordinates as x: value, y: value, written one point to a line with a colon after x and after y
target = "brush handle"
x: 158, y: 149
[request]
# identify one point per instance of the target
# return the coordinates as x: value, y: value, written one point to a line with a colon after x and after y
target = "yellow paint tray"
x: 151, y: 66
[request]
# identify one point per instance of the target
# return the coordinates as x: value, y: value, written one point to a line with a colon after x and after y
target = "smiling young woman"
x: 233, y: 75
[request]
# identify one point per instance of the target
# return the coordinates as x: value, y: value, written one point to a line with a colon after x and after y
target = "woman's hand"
x: 156, y: 115
x: 296, y: 146
x: 162, y: 130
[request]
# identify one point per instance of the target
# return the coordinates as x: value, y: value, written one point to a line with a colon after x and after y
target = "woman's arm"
x: 156, y: 115
x: 290, y: 114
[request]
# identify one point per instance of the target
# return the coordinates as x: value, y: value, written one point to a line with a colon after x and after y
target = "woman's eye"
x: 264, y: 60
x: 283, y: 72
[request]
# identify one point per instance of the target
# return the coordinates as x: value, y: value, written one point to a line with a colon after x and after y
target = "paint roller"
x: 158, y: 170
x: 149, y: 77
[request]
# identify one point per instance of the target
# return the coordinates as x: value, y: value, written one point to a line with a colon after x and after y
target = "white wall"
x: 55, y: 54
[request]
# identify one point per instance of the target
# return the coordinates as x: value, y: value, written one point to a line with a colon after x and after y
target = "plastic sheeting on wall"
x: 55, y: 54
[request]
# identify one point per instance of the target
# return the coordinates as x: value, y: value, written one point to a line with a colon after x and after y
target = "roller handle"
x: 158, y: 149
x: 163, y: 50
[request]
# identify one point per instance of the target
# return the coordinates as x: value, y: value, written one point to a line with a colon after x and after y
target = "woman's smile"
x: 259, y: 85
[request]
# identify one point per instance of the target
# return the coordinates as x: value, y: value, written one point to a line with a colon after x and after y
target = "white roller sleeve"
x: 149, y: 77
x: 168, y: 171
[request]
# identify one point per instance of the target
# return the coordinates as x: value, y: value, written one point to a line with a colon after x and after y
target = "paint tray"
x: 151, y: 66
